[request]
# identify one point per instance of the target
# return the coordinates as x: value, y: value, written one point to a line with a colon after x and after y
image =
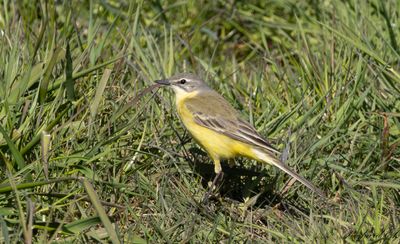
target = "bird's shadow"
x: 238, y: 182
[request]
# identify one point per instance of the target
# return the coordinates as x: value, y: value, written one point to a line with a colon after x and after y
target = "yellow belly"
x: 217, y: 145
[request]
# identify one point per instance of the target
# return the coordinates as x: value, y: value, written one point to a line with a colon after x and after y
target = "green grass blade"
x: 101, y: 212
x: 81, y: 225
x: 44, y: 84
x: 16, y: 154
x: 69, y: 83
x: 99, y: 93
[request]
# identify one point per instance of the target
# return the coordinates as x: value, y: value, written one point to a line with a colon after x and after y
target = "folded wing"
x: 218, y: 115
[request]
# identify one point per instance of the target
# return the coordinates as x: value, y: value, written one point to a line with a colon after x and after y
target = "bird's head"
x: 184, y: 83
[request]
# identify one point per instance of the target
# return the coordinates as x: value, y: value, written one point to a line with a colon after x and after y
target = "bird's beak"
x: 164, y: 82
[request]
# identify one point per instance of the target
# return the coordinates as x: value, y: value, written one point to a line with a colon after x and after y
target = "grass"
x: 91, y: 151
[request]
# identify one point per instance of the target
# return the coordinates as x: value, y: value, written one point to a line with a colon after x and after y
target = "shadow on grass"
x: 238, y: 182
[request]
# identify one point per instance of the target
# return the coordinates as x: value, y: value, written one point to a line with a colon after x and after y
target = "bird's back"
x: 210, y: 110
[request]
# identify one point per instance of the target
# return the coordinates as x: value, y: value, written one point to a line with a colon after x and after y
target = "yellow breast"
x: 216, y: 144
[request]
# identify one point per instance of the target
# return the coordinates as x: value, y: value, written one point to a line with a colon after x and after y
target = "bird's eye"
x: 183, y: 81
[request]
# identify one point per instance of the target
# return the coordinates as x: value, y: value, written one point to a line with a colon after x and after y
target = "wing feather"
x: 218, y: 115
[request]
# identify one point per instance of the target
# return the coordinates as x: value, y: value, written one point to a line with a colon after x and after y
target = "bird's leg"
x: 218, y: 176
x: 217, y: 166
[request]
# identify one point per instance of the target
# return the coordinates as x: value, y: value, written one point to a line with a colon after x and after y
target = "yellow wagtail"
x: 218, y: 128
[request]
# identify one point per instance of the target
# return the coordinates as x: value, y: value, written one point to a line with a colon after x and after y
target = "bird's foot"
x: 217, y: 179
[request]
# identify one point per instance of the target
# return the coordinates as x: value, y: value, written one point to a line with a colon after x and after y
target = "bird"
x: 218, y: 127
